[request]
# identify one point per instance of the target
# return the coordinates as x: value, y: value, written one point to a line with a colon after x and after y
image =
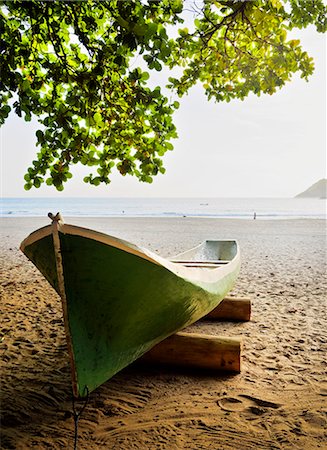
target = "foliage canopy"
x: 73, y: 65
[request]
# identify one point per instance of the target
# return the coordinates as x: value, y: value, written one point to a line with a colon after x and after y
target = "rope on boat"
x: 77, y: 415
x: 55, y: 218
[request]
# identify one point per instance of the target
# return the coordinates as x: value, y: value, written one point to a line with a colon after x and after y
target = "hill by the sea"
x: 317, y: 190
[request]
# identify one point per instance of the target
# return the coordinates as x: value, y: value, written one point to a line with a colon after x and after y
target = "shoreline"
x: 278, y: 401
x: 175, y: 217
x: 159, y: 208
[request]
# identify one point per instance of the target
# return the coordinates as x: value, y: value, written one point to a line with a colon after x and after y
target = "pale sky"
x: 268, y: 146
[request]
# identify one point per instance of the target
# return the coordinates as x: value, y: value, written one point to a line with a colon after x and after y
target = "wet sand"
x: 278, y: 401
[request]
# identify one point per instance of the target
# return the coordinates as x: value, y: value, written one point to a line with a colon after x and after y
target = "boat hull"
x: 117, y: 303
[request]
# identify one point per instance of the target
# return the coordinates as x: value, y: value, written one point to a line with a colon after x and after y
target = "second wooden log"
x: 232, y: 308
x: 197, y: 350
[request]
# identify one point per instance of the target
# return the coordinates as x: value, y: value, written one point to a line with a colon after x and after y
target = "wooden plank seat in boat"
x: 209, y: 264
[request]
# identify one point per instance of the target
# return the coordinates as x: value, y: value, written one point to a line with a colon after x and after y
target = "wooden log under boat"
x: 195, y: 350
x: 231, y: 308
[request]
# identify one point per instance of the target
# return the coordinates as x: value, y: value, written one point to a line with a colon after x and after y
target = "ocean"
x: 236, y: 208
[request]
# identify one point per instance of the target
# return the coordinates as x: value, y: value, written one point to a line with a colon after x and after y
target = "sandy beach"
x: 278, y: 401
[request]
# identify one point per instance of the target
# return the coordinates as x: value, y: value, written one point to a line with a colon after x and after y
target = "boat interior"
x: 210, y: 255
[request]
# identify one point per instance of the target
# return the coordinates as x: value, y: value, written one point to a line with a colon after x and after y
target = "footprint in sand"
x: 247, y: 403
x: 323, y: 391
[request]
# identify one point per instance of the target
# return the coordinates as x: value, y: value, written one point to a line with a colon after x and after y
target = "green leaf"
x: 157, y: 65
x: 145, y: 76
x: 40, y: 136
x: 28, y: 186
x: 97, y: 118
x: 183, y: 32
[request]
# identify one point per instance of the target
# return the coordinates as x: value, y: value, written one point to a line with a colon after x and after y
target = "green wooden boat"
x: 119, y: 300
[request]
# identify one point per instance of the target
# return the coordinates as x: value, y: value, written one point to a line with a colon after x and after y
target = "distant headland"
x: 317, y: 190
